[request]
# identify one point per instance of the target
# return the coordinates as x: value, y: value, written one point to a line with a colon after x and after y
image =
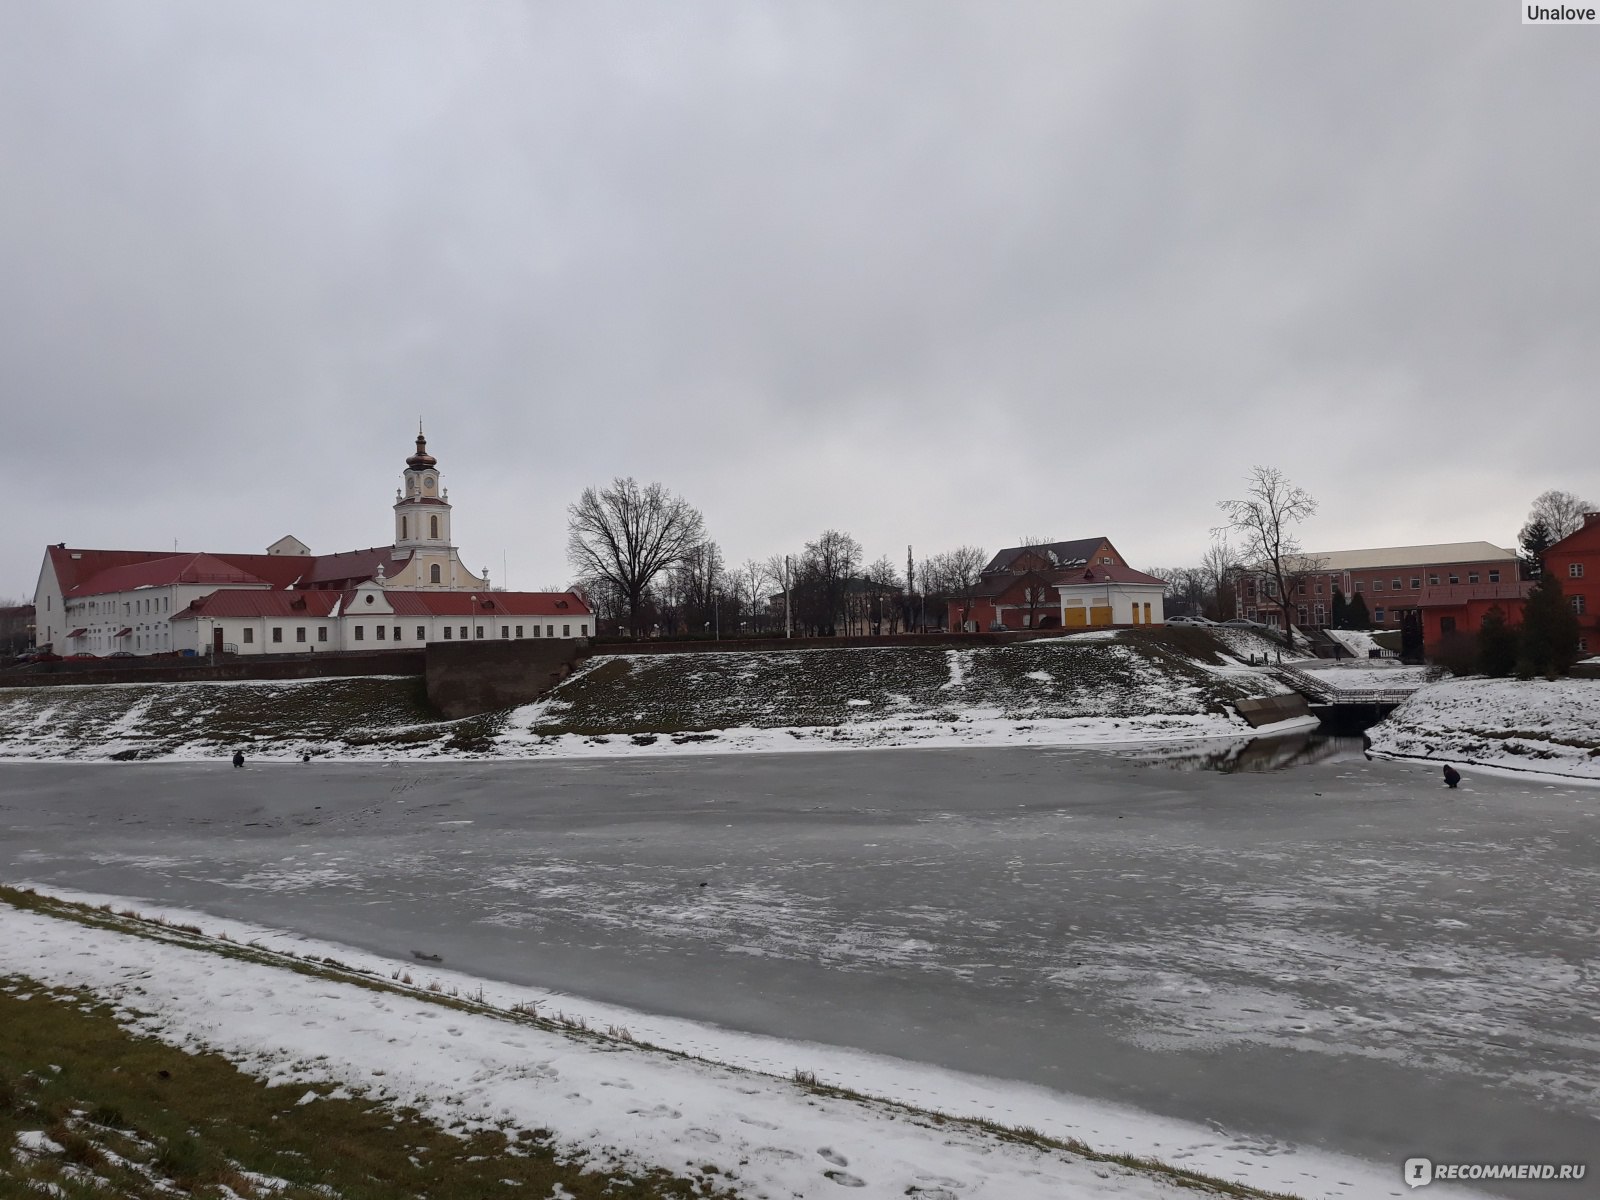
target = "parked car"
x: 1243, y: 623
x: 1189, y: 621
x: 123, y: 653
x: 83, y: 657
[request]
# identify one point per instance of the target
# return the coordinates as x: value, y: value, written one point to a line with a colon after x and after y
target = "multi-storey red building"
x: 1448, y: 587
x: 1575, y: 561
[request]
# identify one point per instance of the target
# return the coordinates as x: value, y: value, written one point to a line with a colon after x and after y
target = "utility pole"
x: 788, y: 604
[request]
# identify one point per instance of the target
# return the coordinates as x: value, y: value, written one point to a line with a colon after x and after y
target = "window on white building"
x: 361, y: 633
x: 505, y: 631
x: 566, y: 631
x: 249, y: 636
x: 433, y: 573
x: 322, y: 633
x: 422, y: 633
x: 549, y: 631
x: 447, y: 631
x: 479, y: 631
x: 433, y: 527
x: 463, y: 633
x: 300, y: 633
x: 535, y: 631
x: 383, y: 632
x: 277, y: 633
x: 519, y: 630
x: 583, y: 629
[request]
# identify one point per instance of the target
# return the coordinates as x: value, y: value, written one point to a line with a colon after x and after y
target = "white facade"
x: 1130, y: 603
x: 365, y: 619
x: 422, y: 558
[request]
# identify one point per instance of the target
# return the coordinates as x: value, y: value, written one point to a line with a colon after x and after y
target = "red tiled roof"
x: 1097, y: 574
x: 320, y: 603
x: 484, y: 604
x: 352, y: 565
x: 244, y: 603
x: 161, y: 572
x: 72, y: 567
x: 79, y: 571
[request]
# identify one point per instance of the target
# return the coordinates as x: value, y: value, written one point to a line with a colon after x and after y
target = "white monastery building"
x: 290, y: 601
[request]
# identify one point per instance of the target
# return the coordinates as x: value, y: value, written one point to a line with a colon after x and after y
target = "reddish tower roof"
x: 421, y: 458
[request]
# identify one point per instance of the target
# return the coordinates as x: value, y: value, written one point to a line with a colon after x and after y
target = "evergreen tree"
x: 1549, y: 631
x: 1535, y: 538
x: 1497, y: 644
x: 1341, y: 611
x: 1356, y: 615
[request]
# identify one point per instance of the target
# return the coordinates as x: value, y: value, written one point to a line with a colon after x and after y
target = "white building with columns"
x: 289, y: 600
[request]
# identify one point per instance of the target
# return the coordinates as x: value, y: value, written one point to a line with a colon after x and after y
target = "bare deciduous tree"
x: 1221, y: 566
x: 1266, y: 518
x: 1561, y: 512
x: 962, y: 568
x: 628, y: 534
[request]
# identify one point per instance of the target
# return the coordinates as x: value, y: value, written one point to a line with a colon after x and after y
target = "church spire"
x: 421, y: 458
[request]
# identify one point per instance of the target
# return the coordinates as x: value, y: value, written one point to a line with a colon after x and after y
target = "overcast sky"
x: 928, y: 273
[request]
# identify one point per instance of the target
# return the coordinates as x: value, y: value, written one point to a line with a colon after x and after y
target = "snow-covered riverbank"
x: 735, y: 1104
x: 1549, y: 726
x: 1154, y: 685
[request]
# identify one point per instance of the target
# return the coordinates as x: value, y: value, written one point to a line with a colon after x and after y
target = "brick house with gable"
x: 1575, y: 561
x: 1073, y: 584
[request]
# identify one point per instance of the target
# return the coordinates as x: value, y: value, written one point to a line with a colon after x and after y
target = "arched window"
x: 433, y: 571
x: 433, y: 529
x: 405, y: 528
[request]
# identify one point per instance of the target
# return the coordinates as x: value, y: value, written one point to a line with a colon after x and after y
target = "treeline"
x: 647, y: 566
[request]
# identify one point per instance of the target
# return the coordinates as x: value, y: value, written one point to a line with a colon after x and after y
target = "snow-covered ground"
x: 1085, y: 689
x: 1550, y: 726
x: 1360, y: 675
x: 737, y: 1108
x: 1359, y: 642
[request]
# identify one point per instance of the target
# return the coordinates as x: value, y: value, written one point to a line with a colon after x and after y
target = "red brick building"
x: 1575, y: 561
x: 1448, y: 587
x: 1075, y: 584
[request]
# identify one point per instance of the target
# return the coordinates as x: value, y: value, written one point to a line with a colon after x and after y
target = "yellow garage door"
x: 1100, y: 615
x: 1074, y: 616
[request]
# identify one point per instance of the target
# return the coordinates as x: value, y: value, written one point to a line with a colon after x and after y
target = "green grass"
x: 69, y: 1069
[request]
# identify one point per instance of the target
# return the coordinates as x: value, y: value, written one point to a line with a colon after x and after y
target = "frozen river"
x: 1342, y: 952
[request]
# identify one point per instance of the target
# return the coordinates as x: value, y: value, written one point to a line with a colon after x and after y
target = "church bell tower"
x: 422, y: 520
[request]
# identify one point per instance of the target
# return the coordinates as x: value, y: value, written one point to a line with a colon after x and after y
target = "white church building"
x: 289, y: 600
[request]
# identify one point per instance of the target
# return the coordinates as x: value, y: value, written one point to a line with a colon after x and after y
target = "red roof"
x: 96, y: 572
x: 72, y: 567
x: 320, y: 603
x: 1097, y: 574
x: 483, y: 604
x: 352, y: 566
x: 242, y: 603
x: 161, y: 572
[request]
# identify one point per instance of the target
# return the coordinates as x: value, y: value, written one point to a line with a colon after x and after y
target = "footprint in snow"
x: 845, y: 1179
x: 931, y: 1193
x: 659, y: 1110
x: 833, y: 1156
x: 579, y: 1099
x: 757, y: 1122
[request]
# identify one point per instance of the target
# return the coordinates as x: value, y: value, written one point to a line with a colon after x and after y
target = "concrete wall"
x: 468, y: 678
x: 1269, y: 709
